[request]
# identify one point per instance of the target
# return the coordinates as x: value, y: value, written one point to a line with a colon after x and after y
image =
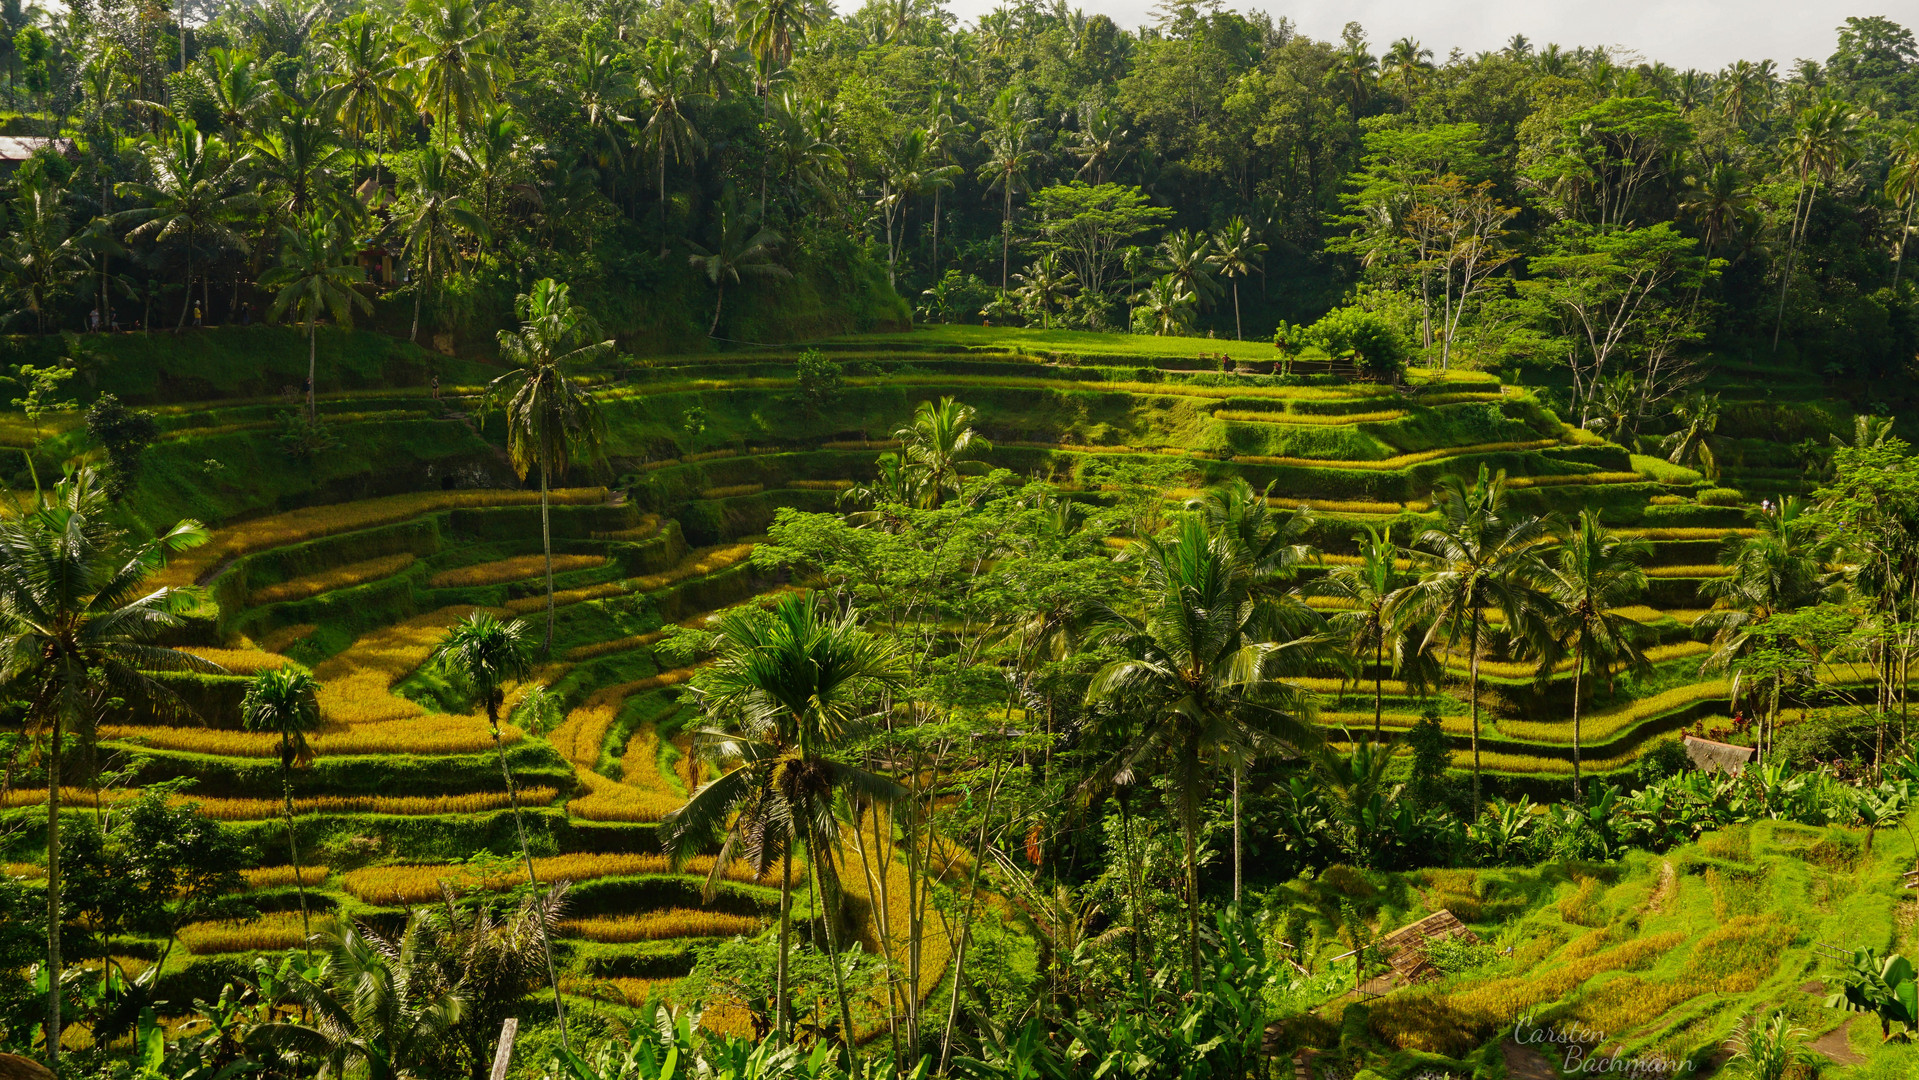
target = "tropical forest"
x: 764, y: 540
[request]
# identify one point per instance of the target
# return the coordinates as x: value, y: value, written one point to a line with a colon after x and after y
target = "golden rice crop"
x: 698, y: 563
x: 261, y: 809
x: 313, y: 522
x: 33, y: 871
x: 647, y: 529
x: 281, y: 877
x: 427, y: 734
x: 517, y: 568
x: 621, y: 991
x: 563, y: 597
x: 820, y: 485
x: 1667, y: 500
x: 267, y: 933
x: 731, y: 491
x: 69, y: 796
x: 660, y: 926
x: 1598, y: 727
x: 1686, y: 533
x: 610, y: 800
x: 278, y: 640
x: 1523, y: 669
x: 1308, y: 419
x: 614, y: 645
x: 709, y: 455
x: 420, y: 883
x: 355, y: 684
x: 1575, y: 479
x: 329, y: 580
x: 1701, y: 570
x: 1458, y: 397
x: 1402, y: 461
x: 239, y: 661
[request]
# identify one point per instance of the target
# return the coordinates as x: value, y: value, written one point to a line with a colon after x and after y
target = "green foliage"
x: 1364, y: 337
x: 817, y: 381
x: 125, y: 434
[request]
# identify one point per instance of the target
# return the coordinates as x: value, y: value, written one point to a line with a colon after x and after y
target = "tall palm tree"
x: 786, y: 688
x: 908, y: 172
x: 937, y: 445
x: 1010, y: 157
x: 1406, y: 62
x: 493, y: 149
x: 1102, y: 138
x: 453, y: 54
x: 667, y: 87
x: 43, y: 259
x: 240, y: 96
x: 487, y: 654
x: 300, y: 155
x: 378, y: 1007
x: 1168, y: 306
x: 1185, y: 256
x: 431, y: 223
x: 285, y: 702
x: 742, y: 248
x: 1691, y: 445
x: 1592, y: 572
x: 1044, y: 285
x: 316, y: 276
x: 363, y: 91
x: 1371, y: 585
x: 191, y: 199
x: 772, y: 29
x: 1782, y: 567
x: 1483, y: 557
x: 1237, y: 253
x: 1824, y: 139
x: 943, y: 129
x: 77, y: 624
x: 1902, y: 186
x: 1201, y: 689
x: 551, y: 417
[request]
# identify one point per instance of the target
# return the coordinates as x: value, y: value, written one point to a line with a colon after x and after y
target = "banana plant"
x: 1883, y: 986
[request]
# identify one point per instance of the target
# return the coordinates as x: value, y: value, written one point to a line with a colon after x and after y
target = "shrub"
x: 1721, y: 496
x: 1374, y: 344
x: 817, y: 381
x: 125, y: 434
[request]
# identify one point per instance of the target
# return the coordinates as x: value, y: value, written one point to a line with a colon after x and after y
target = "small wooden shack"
x: 1710, y: 756
x: 1404, y: 950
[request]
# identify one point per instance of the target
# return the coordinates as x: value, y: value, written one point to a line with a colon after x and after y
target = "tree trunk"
x: 53, y: 898
x: 1579, y: 672
x: 1899, y: 259
x: 1792, y: 249
x: 546, y: 544
x: 1189, y: 825
x: 313, y: 352
x: 1472, y: 691
x: 780, y: 1032
x: 419, y: 289
x: 1379, y: 687
x: 1239, y: 328
x: 1006, y: 236
x: 187, y: 304
x: 663, y: 249
x: 532, y: 879
x: 832, y: 950
x: 293, y: 848
x: 719, y: 297
x: 1236, y: 836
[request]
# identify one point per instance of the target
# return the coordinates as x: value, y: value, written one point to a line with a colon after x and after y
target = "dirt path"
x: 1526, y: 1063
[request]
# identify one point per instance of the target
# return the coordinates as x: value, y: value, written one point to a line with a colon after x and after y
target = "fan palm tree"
x: 667, y: 87
x: 787, y: 687
x: 1370, y: 586
x: 486, y: 654
x: 1200, y: 686
x: 378, y: 1007
x: 1592, y: 572
x: 431, y: 225
x: 191, y: 199
x: 551, y: 417
x: 1044, y: 286
x: 78, y: 619
x: 1483, y: 557
x: 936, y: 446
x: 1237, y: 253
x: 1010, y: 157
x: 451, y: 52
x: 741, y: 249
x: 316, y: 276
x: 285, y: 702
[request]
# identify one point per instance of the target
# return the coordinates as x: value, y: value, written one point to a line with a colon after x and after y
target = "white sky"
x: 1706, y: 34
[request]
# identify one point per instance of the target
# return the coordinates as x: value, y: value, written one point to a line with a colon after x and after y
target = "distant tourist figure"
x: 93, y: 320
x: 246, y: 314
x: 196, y: 315
x: 436, y: 386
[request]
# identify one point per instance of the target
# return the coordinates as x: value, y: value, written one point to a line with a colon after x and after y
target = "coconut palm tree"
x: 908, y: 172
x: 451, y: 53
x: 43, y: 259
x: 377, y: 1009
x: 1167, y: 306
x: 1691, y: 445
x: 1824, y: 139
x: 316, y: 276
x: 191, y: 199
x: 285, y: 702
x: 741, y: 249
x: 431, y: 223
x: 943, y: 129
x: 1483, y: 557
x: 363, y: 91
x: 1044, y: 286
x: 1185, y: 256
x: 1592, y: 572
x: 771, y: 30
x: 1780, y: 568
x: 301, y: 157
x: 1010, y: 156
x: 937, y: 445
x: 486, y: 654
x: 1237, y: 253
x: 551, y: 417
x: 786, y: 688
x: 78, y: 618
x: 1370, y: 586
x: 1102, y: 139
x: 1902, y: 186
x: 667, y: 87
x: 1200, y: 687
